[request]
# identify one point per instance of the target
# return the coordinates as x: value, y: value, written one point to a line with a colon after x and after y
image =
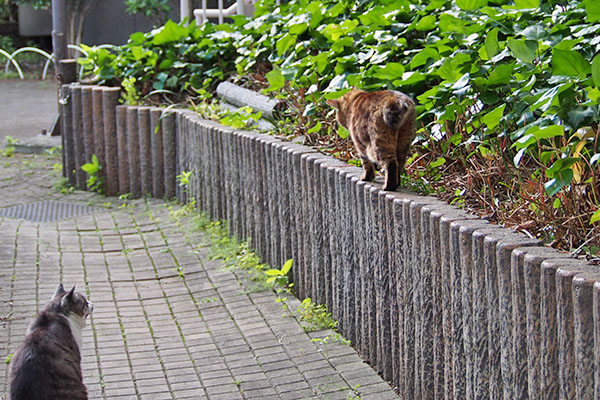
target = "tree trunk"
x: 78, y: 12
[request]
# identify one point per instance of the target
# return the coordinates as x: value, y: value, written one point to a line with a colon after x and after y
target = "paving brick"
x: 304, y: 394
x: 223, y: 391
x: 293, y: 386
x: 265, y: 393
x: 277, y: 366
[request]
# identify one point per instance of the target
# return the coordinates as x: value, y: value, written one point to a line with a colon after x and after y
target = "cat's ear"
x: 59, y: 290
x: 71, y: 292
x: 68, y: 297
x: 334, y: 103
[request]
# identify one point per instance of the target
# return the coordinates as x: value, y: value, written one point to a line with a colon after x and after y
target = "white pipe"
x: 10, y: 59
x: 204, y: 13
x: 184, y: 9
x: 220, y: 8
x: 241, y: 7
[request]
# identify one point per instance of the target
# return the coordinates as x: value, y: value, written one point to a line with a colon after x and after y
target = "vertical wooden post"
x: 110, y: 100
x: 122, y: 149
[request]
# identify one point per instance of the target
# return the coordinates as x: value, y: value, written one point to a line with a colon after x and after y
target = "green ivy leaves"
x: 569, y: 63
x: 592, y: 9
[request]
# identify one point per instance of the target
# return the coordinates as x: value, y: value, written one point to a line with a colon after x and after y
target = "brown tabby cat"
x: 382, y: 128
x: 47, y: 365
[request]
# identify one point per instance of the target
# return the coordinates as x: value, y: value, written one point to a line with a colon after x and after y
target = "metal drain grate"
x: 47, y: 211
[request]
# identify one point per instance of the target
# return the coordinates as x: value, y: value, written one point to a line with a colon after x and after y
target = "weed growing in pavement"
x: 335, y: 337
x: 8, y: 151
x: 280, y: 278
x: 9, y: 148
x: 125, y: 198
x: 206, y: 300
x: 354, y: 395
x: 185, y: 179
x: 314, y: 317
x: 53, y: 151
x: 95, y: 181
x: 63, y: 186
x: 57, y: 169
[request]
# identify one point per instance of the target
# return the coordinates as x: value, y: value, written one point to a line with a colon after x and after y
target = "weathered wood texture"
x: 442, y: 304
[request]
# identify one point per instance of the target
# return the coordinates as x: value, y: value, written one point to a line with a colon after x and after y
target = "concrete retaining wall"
x: 444, y: 305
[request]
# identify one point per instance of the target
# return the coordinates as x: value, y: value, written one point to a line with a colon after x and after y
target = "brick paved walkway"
x: 168, y: 323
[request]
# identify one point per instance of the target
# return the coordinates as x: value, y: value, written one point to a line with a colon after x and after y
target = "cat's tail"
x: 395, y: 112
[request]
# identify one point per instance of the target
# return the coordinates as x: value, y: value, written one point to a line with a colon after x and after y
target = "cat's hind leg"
x: 369, y: 168
x: 402, y: 150
x: 392, y: 175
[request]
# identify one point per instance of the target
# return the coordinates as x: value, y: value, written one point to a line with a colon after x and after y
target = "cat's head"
x: 73, y: 305
x: 343, y: 105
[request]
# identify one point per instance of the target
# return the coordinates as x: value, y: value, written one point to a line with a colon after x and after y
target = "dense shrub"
x: 508, y: 92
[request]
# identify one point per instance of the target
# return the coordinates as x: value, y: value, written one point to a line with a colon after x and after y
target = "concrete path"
x: 168, y: 323
x: 26, y: 107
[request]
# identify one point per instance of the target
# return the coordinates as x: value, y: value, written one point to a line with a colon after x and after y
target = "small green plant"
x: 130, y: 94
x: 314, y: 317
x: 63, y: 186
x: 279, y: 278
x: 354, y: 394
x: 184, y: 179
x: 125, y: 197
x: 335, y: 337
x: 54, y: 151
x: 95, y: 181
x: 204, y: 105
x: 240, y: 119
x: 9, y: 149
x: 206, y: 300
x: 8, y: 358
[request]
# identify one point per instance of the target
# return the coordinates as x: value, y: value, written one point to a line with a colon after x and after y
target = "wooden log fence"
x: 442, y: 304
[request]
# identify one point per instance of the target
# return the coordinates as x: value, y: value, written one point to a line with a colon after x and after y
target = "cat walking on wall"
x: 47, y: 365
x: 382, y: 128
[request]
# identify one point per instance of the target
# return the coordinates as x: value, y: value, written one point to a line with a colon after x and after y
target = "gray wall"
x: 109, y: 23
x: 444, y: 305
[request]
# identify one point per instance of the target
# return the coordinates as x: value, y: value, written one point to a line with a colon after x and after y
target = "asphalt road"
x: 26, y: 108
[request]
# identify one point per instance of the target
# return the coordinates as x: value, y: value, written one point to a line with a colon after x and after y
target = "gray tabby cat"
x: 47, y: 365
